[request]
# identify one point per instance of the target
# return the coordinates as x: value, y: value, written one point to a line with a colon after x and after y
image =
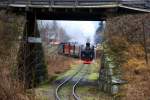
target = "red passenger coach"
x: 69, y: 49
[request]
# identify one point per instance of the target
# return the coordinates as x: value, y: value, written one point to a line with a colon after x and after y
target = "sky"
x: 79, y: 31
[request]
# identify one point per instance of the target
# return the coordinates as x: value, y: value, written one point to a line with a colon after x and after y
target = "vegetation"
x: 11, y: 29
x: 127, y: 40
x: 51, y: 34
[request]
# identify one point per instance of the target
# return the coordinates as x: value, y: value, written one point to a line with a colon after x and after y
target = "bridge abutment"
x: 32, y: 67
x: 110, y: 76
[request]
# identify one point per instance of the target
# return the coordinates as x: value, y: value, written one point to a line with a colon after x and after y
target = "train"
x: 86, y: 54
x: 69, y: 49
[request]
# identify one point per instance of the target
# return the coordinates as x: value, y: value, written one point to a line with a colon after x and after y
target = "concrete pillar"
x: 32, y: 64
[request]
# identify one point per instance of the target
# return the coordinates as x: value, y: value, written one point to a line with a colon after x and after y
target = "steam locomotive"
x: 86, y: 54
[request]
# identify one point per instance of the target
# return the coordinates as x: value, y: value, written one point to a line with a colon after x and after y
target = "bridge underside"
x: 76, y: 13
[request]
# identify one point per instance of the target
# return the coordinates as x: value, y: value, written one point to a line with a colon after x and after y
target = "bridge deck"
x: 78, y: 9
x: 142, y: 4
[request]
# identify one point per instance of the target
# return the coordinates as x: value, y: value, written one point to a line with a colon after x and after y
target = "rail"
x: 64, y: 82
x: 83, y: 69
x: 74, y: 89
x: 59, y: 86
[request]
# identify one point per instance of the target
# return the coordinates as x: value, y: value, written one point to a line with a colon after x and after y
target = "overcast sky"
x: 79, y: 31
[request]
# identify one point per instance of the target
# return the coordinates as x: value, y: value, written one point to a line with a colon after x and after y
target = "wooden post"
x: 145, y: 43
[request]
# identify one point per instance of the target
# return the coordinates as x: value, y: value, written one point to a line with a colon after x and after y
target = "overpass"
x: 77, y: 9
x: 31, y: 53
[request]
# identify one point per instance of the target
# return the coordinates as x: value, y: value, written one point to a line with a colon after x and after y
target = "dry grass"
x: 125, y: 38
x: 10, y: 89
x: 11, y: 27
x: 137, y: 73
x: 58, y: 64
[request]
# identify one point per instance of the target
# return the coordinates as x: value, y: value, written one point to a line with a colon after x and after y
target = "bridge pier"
x: 32, y: 68
x: 110, y: 76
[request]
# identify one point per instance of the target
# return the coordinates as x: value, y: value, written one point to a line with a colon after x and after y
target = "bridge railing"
x: 40, y: 2
x: 75, y: 2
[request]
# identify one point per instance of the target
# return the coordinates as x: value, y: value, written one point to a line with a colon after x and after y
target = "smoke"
x: 78, y: 31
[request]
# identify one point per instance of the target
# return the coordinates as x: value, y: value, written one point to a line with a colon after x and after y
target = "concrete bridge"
x: 31, y: 51
x: 77, y: 9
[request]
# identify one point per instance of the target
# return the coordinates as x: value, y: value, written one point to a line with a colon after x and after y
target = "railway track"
x: 83, y: 70
x: 74, y: 90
